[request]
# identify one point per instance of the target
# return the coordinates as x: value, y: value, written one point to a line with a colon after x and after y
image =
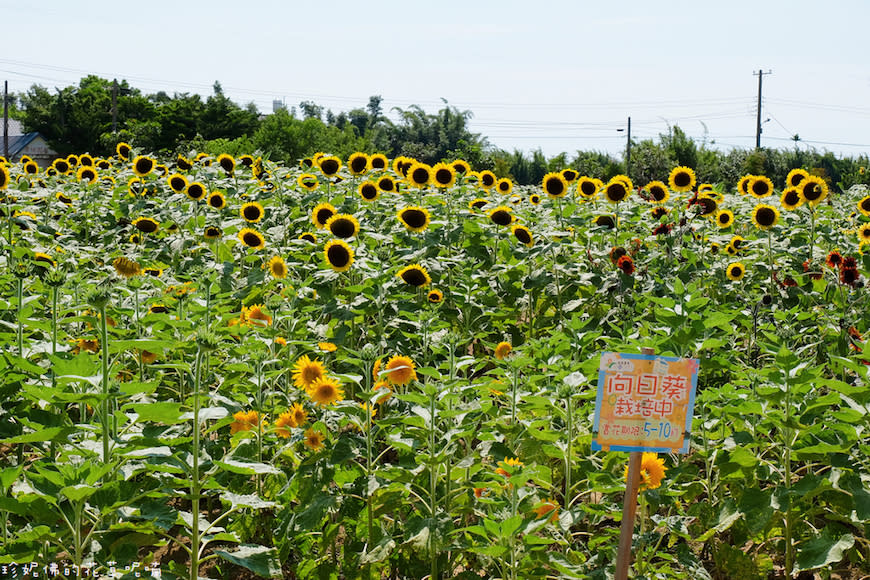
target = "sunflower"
x: 358, y: 163
x: 735, y: 271
x: 461, y: 166
x: 420, y: 175
x: 605, y: 221
x: 386, y: 184
x: 435, y: 296
x: 523, y: 234
x: 212, y: 233
x: 504, y: 186
x: 339, y: 255
x: 227, y: 163
x: 196, y: 191
x: 63, y: 198
x: 443, y: 175
x: 477, y: 203
x: 765, y: 216
x: 62, y: 166
x: 325, y: 391
x: 791, y: 198
x: 658, y: 191
x: 415, y: 275
x: 378, y: 161
x: 308, y: 237
x: 681, y: 179
x: 659, y: 212
x: 252, y: 238
x: 43, y: 258
x: 126, y: 267
x: 414, y: 218
x: 616, y: 191
x: 277, y: 267
x: 507, y: 467
x: 343, y: 226
x: 31, y: 168
x: 652, y: 471
x: 203, y: 158
x: 707, y: 205
x: 724, y: 218
x: 252, y: 212
x: 662, y: 230
x: 760, y: 186
x: 705, y: 187
x: 570, y: 175
x: 146, y: 225
x: 327, y: 346
x: 123, y: 150
x: 501, y: 216
x: 400, y: 370
x: 864, y: 205
x: 306, y: 372
x: 177, y: 182
x: 368, y: 190
x: 321, y: 214
x: 487, y: 179
x: 313, y: 439
x: 155, y: 272
x: 554, y: 185
x: 217, y: 200
x: 535, y: 199
x: 4, y: 176
x: 402, y: 164
x: 329, y: 165
x: 307, y: 181
x: 864, y: 234
x: 813, y: 190
x: 103, y: 164
x: 795, y: 177
x: 283, y: 424
x: 245, y: 421
x: 502, y: 350
x: 86, y: 173
x: 143, y: 165
x: 626, y: 264
x: 587, y: 187
x: 256, y: 316
x: 834, y: 259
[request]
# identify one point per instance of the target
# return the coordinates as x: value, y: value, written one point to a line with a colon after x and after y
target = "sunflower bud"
x: 99, y: 297
x: 369, y: 352
x: 55, y: 278
x: 207, y: 341
x: 22, y: 269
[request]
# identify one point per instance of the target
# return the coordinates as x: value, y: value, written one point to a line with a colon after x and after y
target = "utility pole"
x: 628, y: 150
x: 115, y: 106
x: 760, y: 74
x: 6, y: 120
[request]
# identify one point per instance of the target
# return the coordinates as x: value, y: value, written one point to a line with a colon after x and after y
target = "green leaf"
x: 823, y: 550
x: 380, y: 552
x: 78, y: 492
x: 247, y: 468
x: 47, y: 434
x: 165, y: 413
x: 511, y: 525
x: 250, y: 501
x: 260, y: 560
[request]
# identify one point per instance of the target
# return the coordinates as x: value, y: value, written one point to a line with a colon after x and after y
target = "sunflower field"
x: 372, y: 368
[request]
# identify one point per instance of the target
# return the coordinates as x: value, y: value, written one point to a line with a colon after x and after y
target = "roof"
x: 15, y: 128
x: 17, y: 143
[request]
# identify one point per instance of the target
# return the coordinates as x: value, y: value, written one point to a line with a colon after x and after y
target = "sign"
x: 644, y: 403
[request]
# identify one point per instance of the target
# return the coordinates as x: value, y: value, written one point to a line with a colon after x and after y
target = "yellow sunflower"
x: 277, y: 267
x: 504, y: 186
x: 308, y: 181
x: 306, y: 372
x: 813, y: 190
x: 791, y: 198
x: 321, y: 214
x: 724, y: 218
x: 123, y: 150
x: 414, y: 218
x: 252, y: 212
x: 227, y: 163
x: 177, y: 182
x: 501, y: 216
x: 196, y: 191
x: 339, y: 255
x: 387, y: 184
x: 325, y: 391
x: 400, y: 370
x: 502, y: 350
x: 368, y: 190
x: 378, y: 162
x: 487, y: 179
x: 658, y: 191
x: 587, y: 187
x: 143, y: 165
x: 252, y: 238
x: 216, y: 200
x: 765, y: 216
x: 358, y: 163
x: 795, y: 176
x: 343, y: 225
x: 554, y: 184
x: 461, y: 167
x: 616, y: 190
x: 313, y: 439
x: 760, y: 187
x: 329, y: 165
x: 652, y: 471
x: 681, y: 179
x: 523, y: 234
x: 735, y: 271
x: 443, y: 175
x: 146, y: 225
x: 435, y: 296
x: 126, y: 267
x: 419, y: 175
x: 415, y: 275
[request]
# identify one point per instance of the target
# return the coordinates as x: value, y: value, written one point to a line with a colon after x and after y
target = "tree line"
x: 95, y: 115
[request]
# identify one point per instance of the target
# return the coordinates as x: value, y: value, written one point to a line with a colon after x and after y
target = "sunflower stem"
x: 104, y: 359
x: 19, y: 331
x: 194, y: 475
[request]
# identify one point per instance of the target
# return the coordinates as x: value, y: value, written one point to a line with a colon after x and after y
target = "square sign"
x: 644, y: 403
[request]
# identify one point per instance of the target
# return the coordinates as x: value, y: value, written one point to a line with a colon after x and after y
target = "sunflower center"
x: 443, y: 176
x: 338, y: 256
x: 386, y: 184
x: 554, y: 187
x: 682, y: 179
x: 251, y: 240
x: 323, y: 215
x: 358, y: 165
x: 342, y: 228
x: 501, y: 217
x: 760, y: 188
x: 658, y: 193
x: 766, y: 216
x: 414, y: 218
x: 329, y: 166
x: 414, y: 277
x: 420, y: 175
x: 144, y: 165
x: 196, y: 191
x: 251, y: 213
x: 588, y: 188
x: 369, y: 191
x: 523, y: 235
x: 378, y: 163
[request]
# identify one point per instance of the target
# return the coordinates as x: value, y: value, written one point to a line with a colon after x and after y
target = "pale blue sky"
x: 561, y: 76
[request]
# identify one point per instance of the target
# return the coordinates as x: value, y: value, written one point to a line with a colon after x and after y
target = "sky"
x: 559, y: 76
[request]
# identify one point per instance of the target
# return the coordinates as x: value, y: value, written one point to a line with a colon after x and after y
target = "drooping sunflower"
x: 705, y: 187
x: 44, y: 258
x: 177, y: 182
x: 477, y: 203
x: 378, y: 162
x: 325, y: 391
x: 504, y: 186
x: 587, y: 187
x: 155, y: 272
x: 277, y: 267
x: 329, y: 165
x: 146, y: 225
x: 123, y: 150
x: 523, y: 234
x: 252, y: 239
x: 63, y: 198
x: 864, y: 205
x: 103, y: 164
x: 143, y: 165
x: 126, y: 267
x: 414, y: 218
x: 501, y: 216
x: 554, y: 184
x: 321, y: 214
x: 415, y: 275
x: 386, y: 184
x: 227, y: 163
x: 339, y: 255
x: 681, y: 179
x: 760, y: 186
x: 487, y: 179
x: 343, y: 225
x: 735, y: 271
x: 443, y: 175
x: 435, y: 296
x: 306, y: 372
x: 606, y: 221
x: 212, y: 233
x: 196, y: 191
x: 368, y: 190
x: 217, y: 200
x: 419, y: 175
x: 658, y: 191
x: 246, y: 160
x: 183, y: 163
x: 400, y: 370
x: 795, y: 176
x: 724, y: 218
x: 252, y: 212
x: 86, y: 173
x: 461, y: 167
x: 245, y: 421
x: 203, y: 159
x: 659, y: 212
x: 765, y: 216
x: 502, y: 350
x: 307, y: 181
x: 813, y: 190
x: 283, y: 424
x: 402, y: 164
x: 790, y: 198
x: 616, y: 191
x: 308, y: 237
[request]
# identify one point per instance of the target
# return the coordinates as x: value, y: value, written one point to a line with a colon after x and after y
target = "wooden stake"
x: 629, y: 508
